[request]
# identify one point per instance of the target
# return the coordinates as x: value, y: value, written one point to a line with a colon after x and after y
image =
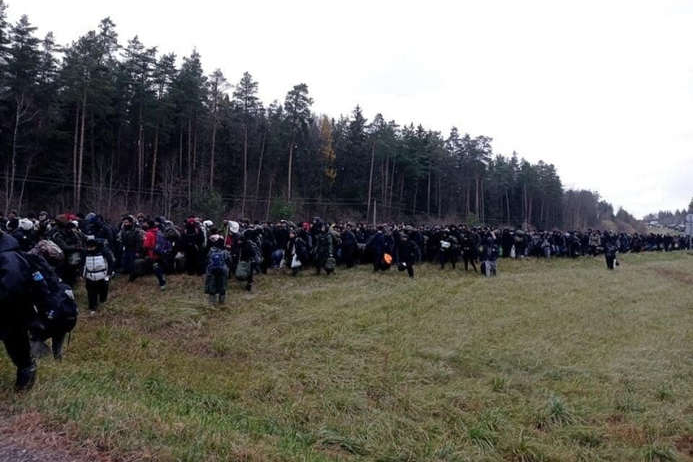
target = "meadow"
x: 555, y: 360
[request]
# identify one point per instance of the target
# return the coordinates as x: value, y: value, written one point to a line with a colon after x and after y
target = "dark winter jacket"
x: 16, y: 306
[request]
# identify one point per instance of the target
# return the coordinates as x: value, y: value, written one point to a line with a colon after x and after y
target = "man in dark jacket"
x: 469, y: 249
x: 376, y: 246
x: 16, y: 310
x: 409, y: 254
x: 609, y: 244
x: 71, y: 241
x: 349, y: 246
x: 130, y: 240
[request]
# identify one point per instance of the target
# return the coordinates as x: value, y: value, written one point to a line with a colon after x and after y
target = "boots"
x: 212, y: 299
x: 26, y: 378
x: 222, y: 299
x: 57, y: 344
x: 39, y: 349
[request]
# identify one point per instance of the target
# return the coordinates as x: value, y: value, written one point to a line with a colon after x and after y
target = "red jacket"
x: 150, y: 243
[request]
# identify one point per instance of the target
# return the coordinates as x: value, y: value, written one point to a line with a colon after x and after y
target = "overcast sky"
x: 602, y: 89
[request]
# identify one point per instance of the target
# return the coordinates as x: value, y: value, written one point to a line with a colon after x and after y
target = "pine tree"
x: 297, y: 106
x: 21, y: 80
x: 247, y: 104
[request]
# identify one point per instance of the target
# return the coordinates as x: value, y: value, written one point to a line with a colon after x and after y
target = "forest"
x: 110, y: 126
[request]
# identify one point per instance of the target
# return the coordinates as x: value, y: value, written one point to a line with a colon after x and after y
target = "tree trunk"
x: 440, y: 197
x: 110, y: 180
x: 468, y: 199
x: 416, y: 192
x: 74, y: 156
x: 392, y: 183
x: 214, y: 142
x: 291, y: 160
x: 80, y: 160
x: 13, y: 161
x: 480, y: 212
x: 383, y: 180
x: 370, y: 182
x: 26, y: 176
x: 524, y: 203
x: 507, y: 206
x: 155, y: 155
x: 140, y: 157
x: 194, y: 157
x: 245, y: 168
x: 180, y: 152
x: 259, y: 168
x: 269, y: 198
x: 428, y: 194
x: 189, y: 165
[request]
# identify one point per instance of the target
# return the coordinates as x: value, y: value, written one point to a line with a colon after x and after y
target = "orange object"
x: 387, y: 258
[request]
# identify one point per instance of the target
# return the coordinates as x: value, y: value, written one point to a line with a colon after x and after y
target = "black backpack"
x: 54, y: 300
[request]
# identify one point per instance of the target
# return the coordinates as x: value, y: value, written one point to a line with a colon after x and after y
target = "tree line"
x: 114, y: 127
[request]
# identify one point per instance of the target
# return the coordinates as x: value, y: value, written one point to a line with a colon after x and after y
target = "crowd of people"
x: 91, y: 247
x: 56, y: 252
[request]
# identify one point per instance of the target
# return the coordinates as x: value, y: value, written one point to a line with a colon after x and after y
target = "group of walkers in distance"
x: 43, y: 257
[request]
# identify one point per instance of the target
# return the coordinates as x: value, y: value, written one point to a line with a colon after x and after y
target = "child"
x: 98, y: 267
x: 217, y: 273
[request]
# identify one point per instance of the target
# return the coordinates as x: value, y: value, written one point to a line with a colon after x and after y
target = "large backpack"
x: 54, y: 300
x: 50, y: 251
x: 95, y: 267
x: 217, y: 261
x: 162, y: 246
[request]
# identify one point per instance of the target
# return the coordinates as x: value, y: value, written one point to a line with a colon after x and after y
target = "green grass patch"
x: 551, y: 360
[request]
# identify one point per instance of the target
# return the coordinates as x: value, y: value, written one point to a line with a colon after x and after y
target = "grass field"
x: 556, y: 360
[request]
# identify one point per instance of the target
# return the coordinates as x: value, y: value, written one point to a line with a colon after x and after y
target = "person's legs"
x: 103, y: 291
x: 471, y: 260
x: 410, y: 269
x: 128, y: 261
x: 19, y: 350
x: 249, y: 281
x: 220, y: 279
x: 159, y: 273
x: 57, y: 341
x: 92, y: 294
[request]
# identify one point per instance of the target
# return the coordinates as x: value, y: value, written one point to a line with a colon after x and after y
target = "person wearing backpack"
x: 295, y: 253
x: 16, y: 310
x: 98, y: 269
x: 217, y: 271
x: 55, y: 308
x: 71, y: 240
x: 324, y: 250
x: 249, y: 257
x: 151, y: 236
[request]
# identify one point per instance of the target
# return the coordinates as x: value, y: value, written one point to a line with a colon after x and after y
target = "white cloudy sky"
x: 603, y: 89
